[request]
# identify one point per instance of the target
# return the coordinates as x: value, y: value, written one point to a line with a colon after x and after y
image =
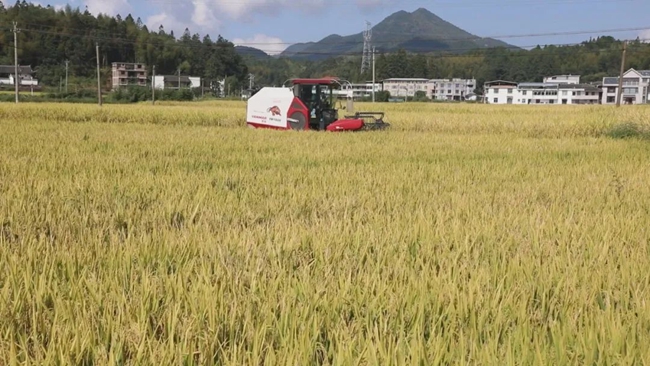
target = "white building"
x: 563, y: 79
x: 579, y: 94
x: 554, y: 93
x: 438, y: 89
x: 403, y: 87
x: 635, y: 88
x: 450, y: 89
x: 572, y: 92
x: 176, y: 82
x: 7, y: 75
x: 500, y: 92
x: 359, y: 90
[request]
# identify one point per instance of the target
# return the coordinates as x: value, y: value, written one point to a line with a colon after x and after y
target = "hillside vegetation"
x: 471, y: 234
x: 49, y: 37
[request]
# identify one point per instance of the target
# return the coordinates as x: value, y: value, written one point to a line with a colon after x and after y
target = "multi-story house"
x: 405, y: 87
x: 438, y: 89
x: 500, y: 92
x: 359, y: 90
x: 554, y: 93
x: 563, y: 79
x: 563, y: 90
x: 635, y: 88
x: 127, y: 74
x: 450, y: 89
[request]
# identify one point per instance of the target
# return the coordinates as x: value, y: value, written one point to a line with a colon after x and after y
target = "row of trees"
x: 49, y: 37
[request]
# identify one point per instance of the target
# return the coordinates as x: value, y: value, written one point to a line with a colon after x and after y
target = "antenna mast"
x: 367, y: 48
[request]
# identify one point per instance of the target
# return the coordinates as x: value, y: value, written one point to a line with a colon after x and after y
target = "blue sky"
x: 272, y: 25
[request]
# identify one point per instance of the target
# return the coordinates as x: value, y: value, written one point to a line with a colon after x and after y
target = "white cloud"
x: 110, y: 7
x: 169, y: 22
x: 208, y: 16
x: 248, y: 10
x: 268, y: 44
x: 197, y: 16
x: 644, y: 36
x: 56, y: 7
x: 203, y: 16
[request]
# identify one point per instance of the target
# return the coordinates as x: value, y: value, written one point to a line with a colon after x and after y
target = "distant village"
x: 555, y: 89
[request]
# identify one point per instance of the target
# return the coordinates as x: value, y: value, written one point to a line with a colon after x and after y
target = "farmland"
x: 466, y: 234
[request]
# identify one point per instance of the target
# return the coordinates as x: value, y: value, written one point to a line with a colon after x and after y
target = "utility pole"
x: 66, y: 75
x: 99, y: 78
x: 373, y: 74
x: 179, y: 78
x: 251, y: 77
x: 620, y: 77
x: 153, y: 85
x: 16, y: 75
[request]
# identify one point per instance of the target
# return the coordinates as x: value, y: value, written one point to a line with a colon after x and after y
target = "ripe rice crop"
x: 473, y: 234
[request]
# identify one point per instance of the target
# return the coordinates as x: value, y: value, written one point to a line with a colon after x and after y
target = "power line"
x: 315, y: 53
x: 116, y: 36
x: 450, y: 52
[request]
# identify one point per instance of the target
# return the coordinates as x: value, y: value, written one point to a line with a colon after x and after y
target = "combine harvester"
x: 307, y: 105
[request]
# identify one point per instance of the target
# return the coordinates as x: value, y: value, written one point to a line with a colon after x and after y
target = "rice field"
x: 466, y: 234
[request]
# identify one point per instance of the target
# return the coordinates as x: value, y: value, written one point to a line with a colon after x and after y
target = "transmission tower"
x: 367, y: 48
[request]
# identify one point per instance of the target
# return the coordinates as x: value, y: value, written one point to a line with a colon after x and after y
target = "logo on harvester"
x: 275, y: 111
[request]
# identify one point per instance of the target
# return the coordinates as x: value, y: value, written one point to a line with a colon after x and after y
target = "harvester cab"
x: 309, y: 104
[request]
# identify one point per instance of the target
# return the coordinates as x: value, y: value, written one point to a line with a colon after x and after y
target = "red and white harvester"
x: 307, y: 105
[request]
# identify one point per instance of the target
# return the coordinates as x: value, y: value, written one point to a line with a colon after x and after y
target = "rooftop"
x: 538, y: 84
x: 586, y: 87
x: 500, y: 82
x: 611, y: 80
x: 563, y: 76
x: 174, y: 78
x: 328, y: 80
x: 406, y: 79
x: 10, y: 69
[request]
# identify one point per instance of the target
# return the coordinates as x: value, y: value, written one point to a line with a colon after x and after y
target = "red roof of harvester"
x: 324, y: 80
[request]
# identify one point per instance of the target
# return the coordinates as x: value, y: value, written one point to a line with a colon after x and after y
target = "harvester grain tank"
x: 307, y: 105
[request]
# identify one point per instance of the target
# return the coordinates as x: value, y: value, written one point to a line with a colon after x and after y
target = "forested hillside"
x: 47, y: 38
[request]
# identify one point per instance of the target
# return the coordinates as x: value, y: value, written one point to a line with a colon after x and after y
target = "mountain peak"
x: 417, y: 31
x: 422, y: 11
